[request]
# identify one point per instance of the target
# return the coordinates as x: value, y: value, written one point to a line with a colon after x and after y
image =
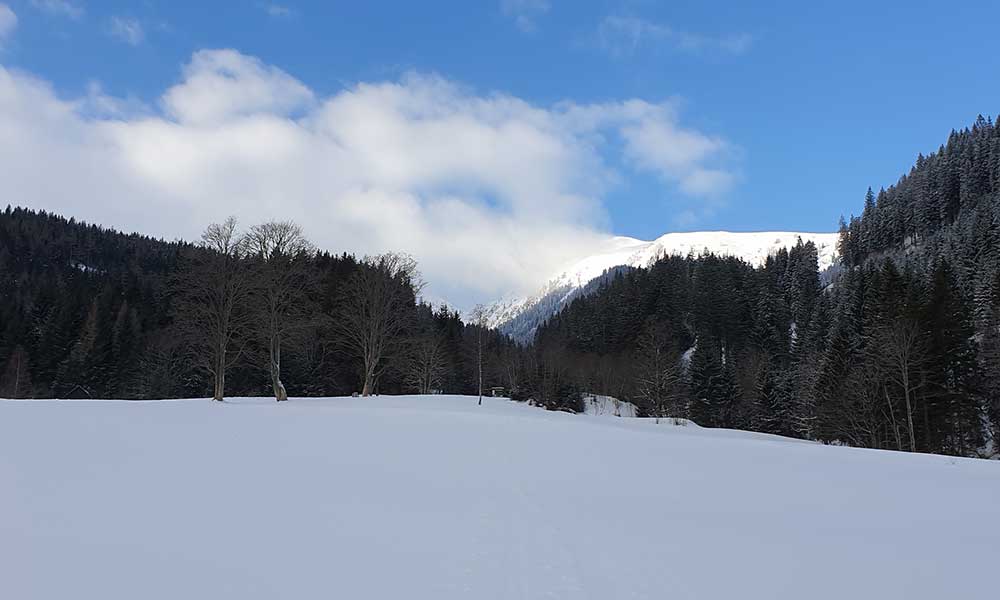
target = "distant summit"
x: 520, y: 317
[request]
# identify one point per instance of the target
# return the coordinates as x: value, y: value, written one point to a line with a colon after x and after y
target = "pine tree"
x: 844, y: 247
x: 713, y: 388
x: 952, y: 409
x: 772, y: 405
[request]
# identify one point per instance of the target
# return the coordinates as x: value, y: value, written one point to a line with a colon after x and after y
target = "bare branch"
x: 375, y: 309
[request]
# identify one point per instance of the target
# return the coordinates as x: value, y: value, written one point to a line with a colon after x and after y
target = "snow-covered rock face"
x: 520, y: 317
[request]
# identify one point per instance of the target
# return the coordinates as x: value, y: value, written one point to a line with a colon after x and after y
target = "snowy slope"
x: 436, y: 498
x: 519, y: 317
x: 616, y: 251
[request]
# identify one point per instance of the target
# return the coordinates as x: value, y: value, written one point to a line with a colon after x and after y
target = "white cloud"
x: 8, y: 23
x: 525, y: 13
x: 59, y: 8
x: 127, y: 29
x: 655, y: 142
x: 623, y: 36
x: 98, y: 105
x: 279, y: 11
x: 221, y: 85
x: 491, y: 193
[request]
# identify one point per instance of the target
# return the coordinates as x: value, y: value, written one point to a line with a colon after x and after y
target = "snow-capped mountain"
x: 520, y: 317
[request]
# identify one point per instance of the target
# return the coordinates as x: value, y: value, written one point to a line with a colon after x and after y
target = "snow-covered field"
x: 434, y: 497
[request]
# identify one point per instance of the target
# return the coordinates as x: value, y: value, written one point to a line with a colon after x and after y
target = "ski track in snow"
x: 434, y: 497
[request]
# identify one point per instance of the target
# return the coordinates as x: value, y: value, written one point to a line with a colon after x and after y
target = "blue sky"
x: 802, y: 105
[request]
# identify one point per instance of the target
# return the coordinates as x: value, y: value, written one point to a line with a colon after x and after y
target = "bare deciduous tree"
x: 899, y: 350
x: 426, y: 364
x: 162, y: 368
x: 281, y: 253
x: 375, y: 309
x: 213, y: 301
x: 479, y: 319
x: 658, y: 372
x: 511, y: 370
x: 866, y: 410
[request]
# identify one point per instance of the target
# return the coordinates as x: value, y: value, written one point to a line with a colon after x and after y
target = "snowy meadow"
x: 436, y: 497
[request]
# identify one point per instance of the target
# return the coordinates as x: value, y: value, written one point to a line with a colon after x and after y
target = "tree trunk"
x: 17, y: 377
x: 480, y: 363
x: 280, y: 394
x: 369, y: 385
x: 892, y: 417
x: 909, y: 409
x: 219, y: 393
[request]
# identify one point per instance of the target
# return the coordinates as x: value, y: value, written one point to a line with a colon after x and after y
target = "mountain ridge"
x: 519, y: 317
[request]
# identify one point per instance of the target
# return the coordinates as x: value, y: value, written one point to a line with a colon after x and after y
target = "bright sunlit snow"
x: 437, y: 498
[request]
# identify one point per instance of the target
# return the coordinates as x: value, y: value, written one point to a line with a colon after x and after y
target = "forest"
x: 92, y: 313
x: 897, y: 347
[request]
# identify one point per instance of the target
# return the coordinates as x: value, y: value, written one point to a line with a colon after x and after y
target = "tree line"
x: 883, y: 358
x: 93, y: 313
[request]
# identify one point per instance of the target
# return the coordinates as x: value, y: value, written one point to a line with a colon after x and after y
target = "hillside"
x: 898, y: 347
x: 521, y: 317
x: 434, y: 497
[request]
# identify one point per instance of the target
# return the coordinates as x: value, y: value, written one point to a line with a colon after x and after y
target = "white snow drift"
x: 434, y: 497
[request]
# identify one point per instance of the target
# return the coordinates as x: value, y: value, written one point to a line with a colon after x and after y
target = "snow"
x: 434, y: 497
x: 753, y: 247
x: 595, y: 404
x: 84, y: 268
x: 688, y: 355
x: 565, y: 284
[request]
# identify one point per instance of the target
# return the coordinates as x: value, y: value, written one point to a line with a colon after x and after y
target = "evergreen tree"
x: 952, y: 409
